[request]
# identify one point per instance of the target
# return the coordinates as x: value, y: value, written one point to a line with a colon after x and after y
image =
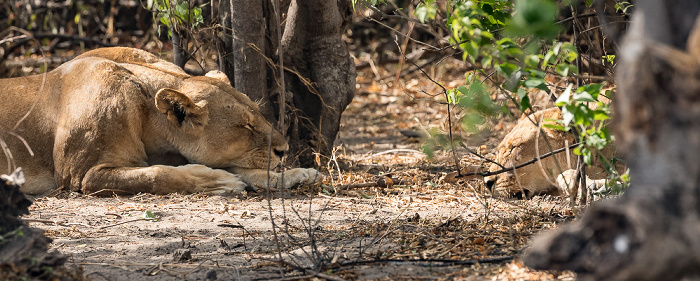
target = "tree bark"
x: 180, y: 54
x: 652, y: 232
x: 250, y: 75
x: 313, y: 46
x: 224, y: 41
x: 319, y: 77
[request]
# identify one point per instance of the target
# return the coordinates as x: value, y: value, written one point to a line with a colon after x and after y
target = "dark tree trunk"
x: 653, y: 231
x: 180, y: 55
x: 250, y: 77
x: 320, y: 81
x: 224, y: 42
x: 313, y: 45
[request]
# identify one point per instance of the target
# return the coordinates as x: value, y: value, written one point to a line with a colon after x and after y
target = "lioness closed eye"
x: 121, y: 119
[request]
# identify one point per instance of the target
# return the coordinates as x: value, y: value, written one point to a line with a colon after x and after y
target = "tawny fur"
x: 122, y: 119
x: 525, y: 142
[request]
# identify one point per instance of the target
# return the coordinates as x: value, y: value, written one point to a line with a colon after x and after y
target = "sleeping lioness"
x: 125, y: 121
x: 525, y: 142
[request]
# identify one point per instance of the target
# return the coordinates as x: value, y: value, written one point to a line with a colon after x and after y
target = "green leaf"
x: 148, y: 215
x: 554, y: 126
x: 534, y: 18
x: 582, y: 115
x: 486, y: 61
x: 563, y: 99
x: 596, y: 141
x: 426, y: 11
x: 609, y: 59
x: 471, y: 48
x: 501, y: 17
x: 587, y: 156
x: 507, y: 69
x: 600, y: 115
x: 524, y: 103
x: 165, y: 21
x: 593, y: 89
x: 182, y: 11
x: 536, y: 83
x: 567, y: 113
x: 537, y: 73
x: 487, y: 9
x: 562, y: 69
x: 506, y: 42
x: 583, y: 97
x: 547, y: 57
x: 532, y: 60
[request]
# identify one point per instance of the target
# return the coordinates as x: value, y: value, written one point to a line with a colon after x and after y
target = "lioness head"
x: 525, y: 142
x: 217, y: 126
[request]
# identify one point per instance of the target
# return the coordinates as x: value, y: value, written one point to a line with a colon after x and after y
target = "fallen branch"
x: 114, y: 191
x: 429, y: 262
x: 312, y: 272
x: 398, y: 150
x: 125, y: 222
x: 383, y: 182
x: 92, y: 40
x: 21, y: 40
x: 184, y: 265
x: 532, y: 161
x: 37, y: 62
x: 59, y: 222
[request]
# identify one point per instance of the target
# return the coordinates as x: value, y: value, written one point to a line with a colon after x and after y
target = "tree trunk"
x: 248, y: 27
x: 224, y: 40
x: 180, y: 55
x: 652, y: 232
x: 313, y: 46
x: 320, y: 76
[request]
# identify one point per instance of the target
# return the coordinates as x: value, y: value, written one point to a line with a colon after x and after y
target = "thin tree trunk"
x: 180, y: 55
x: 653, y: 231
x: 224, y: 42
x: 248, y: 24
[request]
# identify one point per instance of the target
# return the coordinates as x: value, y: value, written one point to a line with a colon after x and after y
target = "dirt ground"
x: 419, y: 228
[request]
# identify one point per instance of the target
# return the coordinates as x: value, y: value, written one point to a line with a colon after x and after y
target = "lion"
x: 525, y: 142
x: 125, y: 121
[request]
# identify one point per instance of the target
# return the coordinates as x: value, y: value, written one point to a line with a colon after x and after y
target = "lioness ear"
x: 180, y: 109
x: 219, y: 76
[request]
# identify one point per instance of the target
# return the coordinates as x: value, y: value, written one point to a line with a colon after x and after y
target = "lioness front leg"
x: 162, y: 179
x: 292, y: 177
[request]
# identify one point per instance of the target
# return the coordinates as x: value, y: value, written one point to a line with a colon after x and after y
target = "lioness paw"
x: 227, y: 187
x: 214, y: 181
x: 299, y: 176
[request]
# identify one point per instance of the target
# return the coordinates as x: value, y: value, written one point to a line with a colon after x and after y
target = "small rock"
x: 182, y: 255
x: 211, y: 275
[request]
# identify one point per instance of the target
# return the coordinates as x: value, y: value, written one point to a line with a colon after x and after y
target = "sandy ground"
x: 418, y: 228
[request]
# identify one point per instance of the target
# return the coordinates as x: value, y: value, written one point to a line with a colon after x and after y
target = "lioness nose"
x: 278, y: 152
